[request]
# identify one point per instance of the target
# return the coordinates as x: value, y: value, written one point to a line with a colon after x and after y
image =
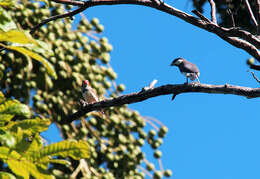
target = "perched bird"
x: 88, y: 93
x: 187, y: 68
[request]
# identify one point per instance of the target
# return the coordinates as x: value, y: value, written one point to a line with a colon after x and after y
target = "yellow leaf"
x: 18, y: 168
x: 75, y: 149
x: 2, y: 97
x: 6, y: 2
x: 24, y: 51
x: 17, y: 36
x: 5, y: 175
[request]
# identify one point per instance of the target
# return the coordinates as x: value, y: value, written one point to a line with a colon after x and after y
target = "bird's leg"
x: 197, y: 78
x: 187, y: 80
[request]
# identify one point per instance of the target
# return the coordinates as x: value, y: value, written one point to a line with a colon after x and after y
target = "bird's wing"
x: 189, y: 68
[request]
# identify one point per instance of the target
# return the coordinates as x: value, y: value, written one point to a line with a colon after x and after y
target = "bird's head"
x: 177, y: 61
x: 85, y: 85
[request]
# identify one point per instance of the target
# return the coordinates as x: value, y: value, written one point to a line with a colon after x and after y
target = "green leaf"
x: 35, y: 56
x: 33, y: 146
x: 6, y: 117
x: 60, y: 161
x: 43, y: 48
x: 75, y: 149
x: 24, y: 167
x: 17, y: 36
x: 13, y: 107
x: 29, y: 126
x: 6, y: 22
x: 2, y: 97
x: 6, y: 175
x: 7, y: 139
x: 18, y: 168
x: 21, y: 166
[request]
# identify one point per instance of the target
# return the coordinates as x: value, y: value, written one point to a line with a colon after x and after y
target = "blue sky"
x: 210, y: 136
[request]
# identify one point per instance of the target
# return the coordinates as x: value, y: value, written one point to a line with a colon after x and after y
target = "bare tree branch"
x: 201, y: 16
x: 255, y: 67
x: 232, y: 17
x: 68, y: 14
x: 227, y: 33
x: 239, y: 43
x: 245, y: 40
x: 258, y: 15
x: 251, y: 13
x: 213, y: 11
x: 70, y: 2
x: 166, y: 90
x: 255, y: 77
x: 242, y: 44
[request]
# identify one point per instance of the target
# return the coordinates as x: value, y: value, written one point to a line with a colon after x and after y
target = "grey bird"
x: 187, y: 68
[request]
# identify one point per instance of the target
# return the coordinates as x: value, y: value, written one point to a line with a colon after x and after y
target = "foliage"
x: 22, y: 147
x: 238, y: 10
x: 115, y: 139
x: 22, y: 42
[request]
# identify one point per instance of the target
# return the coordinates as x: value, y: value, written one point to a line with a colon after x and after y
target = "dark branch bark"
x: 251, y: 13
x: 255, y: 77
x: 68, y: 14
x: 255, y: 67
x: 70, y: 2
x: 213, y: 11
x: 224, y: 33
x: 258, y: 15
x: 232, y: 17
x: 201, y: 16
x: 166, y: 90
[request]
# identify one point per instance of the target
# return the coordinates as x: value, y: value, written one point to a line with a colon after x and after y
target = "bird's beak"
x: 173, y: 64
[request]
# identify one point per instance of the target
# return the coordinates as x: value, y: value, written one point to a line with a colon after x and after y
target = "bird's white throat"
x: 178, y: 62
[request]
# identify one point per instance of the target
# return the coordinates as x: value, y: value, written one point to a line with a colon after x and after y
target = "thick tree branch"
x: 255, y: 67
x: 213, y: 11
x: 166, y: 90
x: 209, y: 26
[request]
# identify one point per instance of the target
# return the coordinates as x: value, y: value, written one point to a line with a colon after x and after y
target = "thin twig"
x: 151, y: 123
x: 213, y: 11
x: 255, y: 77
x: 70, y: 2
x: 160, y: 164
x: 201, y: 16
x: 251, y: 13
x: 68, y: 14
x: 145, y: 171
x: 258, y: 15
x: 232, y: 17
x: 155, y: 120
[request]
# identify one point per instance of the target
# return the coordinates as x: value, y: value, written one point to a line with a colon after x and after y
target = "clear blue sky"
x: 210, y: 136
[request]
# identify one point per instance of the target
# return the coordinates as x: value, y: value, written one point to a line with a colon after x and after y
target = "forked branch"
x: 244, y: 40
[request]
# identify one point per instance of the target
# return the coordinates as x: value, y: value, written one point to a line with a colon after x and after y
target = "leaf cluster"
x: 21, y: 147
x: 115, y: 139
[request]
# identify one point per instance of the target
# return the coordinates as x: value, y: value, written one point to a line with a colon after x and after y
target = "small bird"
x: 187, y: 68
x: 88, y: 93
